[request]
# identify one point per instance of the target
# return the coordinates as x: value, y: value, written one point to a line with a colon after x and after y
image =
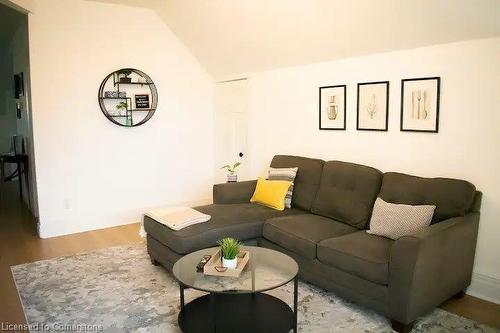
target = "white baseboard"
x: 69, y: 229
x: 77, y: 224
x: 486, y: 287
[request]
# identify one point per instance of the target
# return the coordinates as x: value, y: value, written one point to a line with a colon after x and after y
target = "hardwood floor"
x: 476, y: 309
x: 19, y: 244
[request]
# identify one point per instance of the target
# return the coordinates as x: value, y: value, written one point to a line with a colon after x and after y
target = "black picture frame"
x: 386, y: 128
x: 344, y: 87
x: 141, y: 101
x: 18, y: 85
x: 438, y: 98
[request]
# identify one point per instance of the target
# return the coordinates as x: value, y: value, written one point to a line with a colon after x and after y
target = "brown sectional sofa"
x: 325, y: 232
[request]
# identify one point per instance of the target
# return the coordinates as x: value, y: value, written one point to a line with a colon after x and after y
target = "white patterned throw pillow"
x: 287, y: 174
x: 397, y: 220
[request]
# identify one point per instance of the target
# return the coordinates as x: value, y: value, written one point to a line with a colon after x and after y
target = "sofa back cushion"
x: 347, y: 192
x: 307, y: 180
x: 452, y: 197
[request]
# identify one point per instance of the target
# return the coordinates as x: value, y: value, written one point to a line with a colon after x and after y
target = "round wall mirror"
x: 128, y: 97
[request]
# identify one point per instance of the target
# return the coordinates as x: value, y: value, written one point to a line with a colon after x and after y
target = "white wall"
x: 284, y: 120
x: 90, y: 172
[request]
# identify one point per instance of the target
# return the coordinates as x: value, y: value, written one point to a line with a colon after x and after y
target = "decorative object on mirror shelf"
x: 141, y: 101
x: 332, y: 107
x: 122, y: 106
x: 420, y: 104
x: 373, y: 106
x: 232, y: 177
x: 229, y: 248
x: 123, y: 75
x: 137, y: 84
x: 115, y: 94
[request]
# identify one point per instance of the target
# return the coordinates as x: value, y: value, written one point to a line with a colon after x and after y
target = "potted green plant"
x: 229, y: 248
x: 231, y: 172
x: 122, y: 106
x: 123, y: 75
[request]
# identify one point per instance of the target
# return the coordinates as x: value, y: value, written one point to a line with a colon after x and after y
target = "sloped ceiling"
x: 237, y: 36
x: 23, y: 6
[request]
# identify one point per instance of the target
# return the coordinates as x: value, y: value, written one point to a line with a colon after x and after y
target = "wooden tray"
x: 216, y: 261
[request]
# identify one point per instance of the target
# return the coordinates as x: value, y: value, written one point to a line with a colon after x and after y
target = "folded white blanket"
x: 175, y: 218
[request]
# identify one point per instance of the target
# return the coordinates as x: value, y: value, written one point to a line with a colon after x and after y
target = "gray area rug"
x: 119, y: 290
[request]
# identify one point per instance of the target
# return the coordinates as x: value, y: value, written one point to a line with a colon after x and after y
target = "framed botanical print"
x: 373, y: 106
x: 332, y: 107
x: 420, y: 104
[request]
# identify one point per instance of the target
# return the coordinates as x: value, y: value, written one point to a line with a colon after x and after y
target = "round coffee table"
x: 238, y: 304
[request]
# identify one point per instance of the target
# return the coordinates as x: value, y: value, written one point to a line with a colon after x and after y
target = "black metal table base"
x: 243, y: 313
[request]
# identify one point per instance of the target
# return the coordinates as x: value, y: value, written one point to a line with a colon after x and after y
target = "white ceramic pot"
x: 232, y: 178
x: 229, y: 263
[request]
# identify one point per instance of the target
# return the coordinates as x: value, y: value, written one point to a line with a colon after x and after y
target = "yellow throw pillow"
x: 271, y: 193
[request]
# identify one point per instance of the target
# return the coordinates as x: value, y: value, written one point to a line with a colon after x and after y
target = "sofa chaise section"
x: 231, y: 216
x: 241, y: 221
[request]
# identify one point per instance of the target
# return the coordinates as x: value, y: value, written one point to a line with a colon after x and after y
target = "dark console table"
x: 21, y: 162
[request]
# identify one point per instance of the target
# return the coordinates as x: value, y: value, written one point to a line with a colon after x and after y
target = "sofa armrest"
x: 232, y: 193
x: 429, y: 266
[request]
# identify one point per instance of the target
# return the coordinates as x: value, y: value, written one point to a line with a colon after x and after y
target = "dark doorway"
x: 16, y: 135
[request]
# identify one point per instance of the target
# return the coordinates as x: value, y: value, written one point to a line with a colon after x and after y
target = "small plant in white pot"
x: 122, y: 108
x: 231, y: 172
x: 229, y: 248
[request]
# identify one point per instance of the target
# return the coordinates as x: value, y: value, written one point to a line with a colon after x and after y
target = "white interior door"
x: 231, y: 106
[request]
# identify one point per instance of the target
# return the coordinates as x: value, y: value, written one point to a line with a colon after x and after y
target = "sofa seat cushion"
x: 359, y: 253
x: 241, y: 221
x: 301, y: 233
